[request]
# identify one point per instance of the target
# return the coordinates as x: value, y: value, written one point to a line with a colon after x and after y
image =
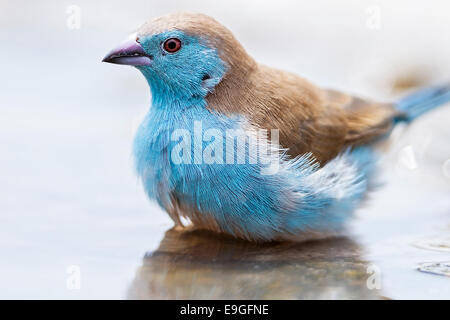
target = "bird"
x: 317, y: 162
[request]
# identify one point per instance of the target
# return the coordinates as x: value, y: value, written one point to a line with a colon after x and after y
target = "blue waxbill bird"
x: 207, y: 91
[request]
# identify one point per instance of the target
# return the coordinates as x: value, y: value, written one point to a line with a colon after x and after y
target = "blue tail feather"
x: 422, y: 101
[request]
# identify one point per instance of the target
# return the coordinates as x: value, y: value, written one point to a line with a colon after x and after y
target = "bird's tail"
x: 422, y: 101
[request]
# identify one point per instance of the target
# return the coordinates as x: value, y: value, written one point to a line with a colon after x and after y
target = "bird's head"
x: 184, y: 55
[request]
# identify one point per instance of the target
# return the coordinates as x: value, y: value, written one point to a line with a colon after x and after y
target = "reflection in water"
x: 201, y: 265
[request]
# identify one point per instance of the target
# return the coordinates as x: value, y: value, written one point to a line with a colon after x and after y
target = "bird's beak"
x: 130, y: 53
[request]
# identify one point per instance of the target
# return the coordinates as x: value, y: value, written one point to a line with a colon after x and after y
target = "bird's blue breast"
x: 158, y: 142
x: 233, y: 194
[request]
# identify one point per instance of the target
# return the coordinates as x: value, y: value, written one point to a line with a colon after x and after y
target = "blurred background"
x: 74, y: 222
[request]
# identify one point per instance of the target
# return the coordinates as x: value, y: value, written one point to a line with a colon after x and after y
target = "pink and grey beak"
x: 130, y: 53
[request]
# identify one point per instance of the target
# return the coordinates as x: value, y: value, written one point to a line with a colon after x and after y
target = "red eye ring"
x: 172, y: 45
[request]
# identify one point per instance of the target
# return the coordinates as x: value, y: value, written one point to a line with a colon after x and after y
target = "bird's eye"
x: 172, y: 45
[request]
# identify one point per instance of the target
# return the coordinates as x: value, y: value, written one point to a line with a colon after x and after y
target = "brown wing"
x: 366, y: 120
x: 344, y: 121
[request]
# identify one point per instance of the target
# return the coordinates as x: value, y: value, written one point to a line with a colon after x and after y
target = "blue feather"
x: 422, y: 101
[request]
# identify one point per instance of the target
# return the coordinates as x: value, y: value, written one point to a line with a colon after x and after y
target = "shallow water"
x: 74, y: 222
